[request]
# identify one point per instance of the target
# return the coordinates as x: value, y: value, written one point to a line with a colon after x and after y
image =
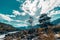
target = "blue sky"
x: 17, y: 12
x: 6, y: 9
x: 8, y: 5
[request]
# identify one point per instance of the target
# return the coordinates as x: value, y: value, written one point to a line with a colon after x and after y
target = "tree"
x: 44, y: 20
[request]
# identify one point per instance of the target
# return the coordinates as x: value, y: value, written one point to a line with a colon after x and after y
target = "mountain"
x: 6, y: 28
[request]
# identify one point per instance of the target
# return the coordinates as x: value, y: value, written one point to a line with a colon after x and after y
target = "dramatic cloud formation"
x: 30, y: 6
x: 33, y: 8
x: 36, y: 7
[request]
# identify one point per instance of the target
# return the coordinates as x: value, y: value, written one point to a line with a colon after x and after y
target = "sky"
x: 17, y: 12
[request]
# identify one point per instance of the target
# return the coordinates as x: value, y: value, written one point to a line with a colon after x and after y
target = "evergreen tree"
x: 44, y: 20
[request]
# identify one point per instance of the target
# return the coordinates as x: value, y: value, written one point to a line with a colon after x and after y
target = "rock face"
x: 6, y: 27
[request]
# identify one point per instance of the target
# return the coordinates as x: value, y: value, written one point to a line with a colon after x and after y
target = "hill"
x: 6, y: 28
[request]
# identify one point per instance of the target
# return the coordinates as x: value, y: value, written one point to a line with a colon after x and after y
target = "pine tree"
x: 44, y: 20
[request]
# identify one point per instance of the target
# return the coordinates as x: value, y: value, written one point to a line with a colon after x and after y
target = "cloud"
x: 18, y: 20
x: 11, y: 15
x: 37, y: 7
x: 18, y: 23
x: 57, y: 16
x: 15, y: 12
x: 23, y: 14
x: 32, y: 7
x: 54, y: 13
x: 21, y: 25
x: 2, y: 16
x: 19, y: 0
x: 29, y: 7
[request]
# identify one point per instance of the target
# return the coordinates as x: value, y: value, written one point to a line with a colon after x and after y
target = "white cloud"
x: 29, y: 7
x: 23, y: 14
x: 35, y: 22
x: 19, y: 0
x: 18, y: 21
x: 21, y: 25
x: 11, y: 15
x: 15, y: 12
x: 5, y: 17
x: 33, y: 7
x: 54, y: 18
x: 54, y: 13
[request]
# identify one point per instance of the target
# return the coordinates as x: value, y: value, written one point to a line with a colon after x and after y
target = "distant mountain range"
x: 6, y: 28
